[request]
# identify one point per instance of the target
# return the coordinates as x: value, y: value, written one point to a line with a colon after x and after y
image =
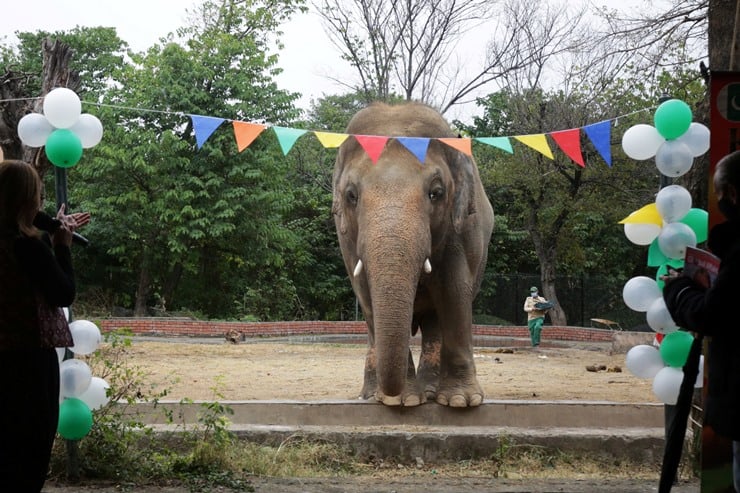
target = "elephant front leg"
x: 458, y: 385
x: 429, y: 360
x: 412, y: 394
x: 458, y: 382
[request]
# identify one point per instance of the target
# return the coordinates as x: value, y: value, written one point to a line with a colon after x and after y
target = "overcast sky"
x: 142, y: 22
x: 309, y: 59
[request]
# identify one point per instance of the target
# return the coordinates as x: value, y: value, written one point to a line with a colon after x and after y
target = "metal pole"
x: 72, y: 446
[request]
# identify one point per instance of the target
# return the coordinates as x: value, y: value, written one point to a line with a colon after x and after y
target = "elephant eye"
x: 350, y: 195
x: 436, y: 193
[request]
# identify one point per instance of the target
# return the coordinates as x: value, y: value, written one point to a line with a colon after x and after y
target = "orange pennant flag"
x: 373, y: 145
x: 245, y: 133
x: 463, y: 145
x: 570, y: 142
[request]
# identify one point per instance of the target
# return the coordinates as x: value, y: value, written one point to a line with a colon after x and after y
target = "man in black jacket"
x: 712, y: 311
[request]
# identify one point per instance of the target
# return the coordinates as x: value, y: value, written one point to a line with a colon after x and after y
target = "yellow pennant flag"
x: 329, y: 139
x: 645, y: 215
x: 461, y: 144
x: 538, y: 142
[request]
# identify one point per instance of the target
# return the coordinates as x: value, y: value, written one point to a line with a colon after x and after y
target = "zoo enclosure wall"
x: 160, y: 326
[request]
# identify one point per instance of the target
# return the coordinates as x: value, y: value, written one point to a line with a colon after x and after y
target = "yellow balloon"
x: 646, y: 215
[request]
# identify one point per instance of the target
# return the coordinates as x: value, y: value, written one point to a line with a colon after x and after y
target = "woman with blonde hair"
x: 36, y: 280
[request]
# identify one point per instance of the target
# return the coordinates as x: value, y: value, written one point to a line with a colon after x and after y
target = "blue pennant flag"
x: 600, y: 135
x: 203, y: 127
x: 416, y: 145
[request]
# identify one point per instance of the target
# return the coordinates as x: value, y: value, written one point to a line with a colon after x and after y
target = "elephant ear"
x: 462, y: 169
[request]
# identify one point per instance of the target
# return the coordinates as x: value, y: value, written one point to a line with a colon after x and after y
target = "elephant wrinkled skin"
x: 414, y: 238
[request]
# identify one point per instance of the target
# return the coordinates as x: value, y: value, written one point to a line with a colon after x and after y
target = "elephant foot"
x: 409, y: 399
x: 461, y: 396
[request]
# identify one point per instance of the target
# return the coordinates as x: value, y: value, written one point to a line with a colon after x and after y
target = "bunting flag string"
x: 245, y: 133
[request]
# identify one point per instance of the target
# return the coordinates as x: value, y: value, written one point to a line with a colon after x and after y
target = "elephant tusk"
x: 358, y: 268
x: 427, y: 266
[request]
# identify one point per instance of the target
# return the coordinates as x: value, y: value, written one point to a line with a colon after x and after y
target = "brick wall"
x: 207, y: 328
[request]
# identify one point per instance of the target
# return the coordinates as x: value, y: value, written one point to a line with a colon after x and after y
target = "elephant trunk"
x: 394, y: 261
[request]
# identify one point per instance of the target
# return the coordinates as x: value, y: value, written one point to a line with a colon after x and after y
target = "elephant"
x: 414, y: 239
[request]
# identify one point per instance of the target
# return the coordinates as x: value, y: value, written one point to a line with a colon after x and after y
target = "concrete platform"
x: 433, y: 432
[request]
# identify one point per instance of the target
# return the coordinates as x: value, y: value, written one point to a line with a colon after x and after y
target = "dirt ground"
x: 220, y: 370
x: 269, y: 369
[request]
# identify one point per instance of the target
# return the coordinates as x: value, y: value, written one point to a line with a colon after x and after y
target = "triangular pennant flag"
x: 461, y: 144
x: 538, y: 142
x: 245, y: 133
x: 600, y: 135
x: 287, y: 137
x: 502, y: 143
x: 645, y: 215
x: 203, y: 127
x: 570, y: 142
x: 329, y: 139
x: 416, y: 145
x: 373, y: 145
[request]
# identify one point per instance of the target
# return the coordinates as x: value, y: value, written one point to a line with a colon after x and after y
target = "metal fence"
x: 583, y: 298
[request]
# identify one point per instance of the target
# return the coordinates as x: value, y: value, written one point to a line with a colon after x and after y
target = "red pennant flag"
x: 373, y: 145
x: 570, y: 142
x: 245, y: 133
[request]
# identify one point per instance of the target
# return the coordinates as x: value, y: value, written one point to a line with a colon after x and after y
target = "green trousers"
x: 535, y: 329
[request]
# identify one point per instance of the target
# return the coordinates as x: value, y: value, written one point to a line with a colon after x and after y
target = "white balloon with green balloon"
x: 674, y: 238
x: 673, y: 203
x: 639, y: 292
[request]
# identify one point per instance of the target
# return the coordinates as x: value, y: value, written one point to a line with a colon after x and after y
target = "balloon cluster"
x: 674, y: 141
x: 62, y: 129
x: 669, y: 225
x: 80, y: 392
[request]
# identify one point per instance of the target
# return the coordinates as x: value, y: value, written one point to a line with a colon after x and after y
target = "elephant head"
x: 403, y: 226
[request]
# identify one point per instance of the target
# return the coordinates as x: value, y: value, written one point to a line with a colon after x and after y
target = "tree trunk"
x: 56, y: 56
x: 143, y: 289
x: 171, y: 283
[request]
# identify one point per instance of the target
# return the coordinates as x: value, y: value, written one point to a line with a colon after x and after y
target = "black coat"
x: 715, y: 312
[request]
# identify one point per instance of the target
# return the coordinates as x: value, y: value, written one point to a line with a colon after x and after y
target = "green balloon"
x: 63, y: 148
x: 698, y: 221
x: 75, y: 419
x: 672, y: 118
x: 675, y: 348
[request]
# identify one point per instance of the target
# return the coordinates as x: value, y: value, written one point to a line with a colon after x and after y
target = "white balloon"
x: 60, y: 354
x: 34, y: 129
x: 673, y: 203
x: 659, y: 319
x: 62, y: 107
x: 644, y: 361
x: 74, y: 377
x: 641, y: 141
x: 674, y: 238
x: 86, y: 336
x: 66, y: 313
x: 89, y: 129
x: 667, y: 384
x: 674, y: 158
x: 639, y: 292
x: 96, y: 395
x: 696, y: 139
x: 641, y: 234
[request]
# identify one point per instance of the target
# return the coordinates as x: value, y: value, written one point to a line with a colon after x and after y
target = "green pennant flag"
x: 287, y: 137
